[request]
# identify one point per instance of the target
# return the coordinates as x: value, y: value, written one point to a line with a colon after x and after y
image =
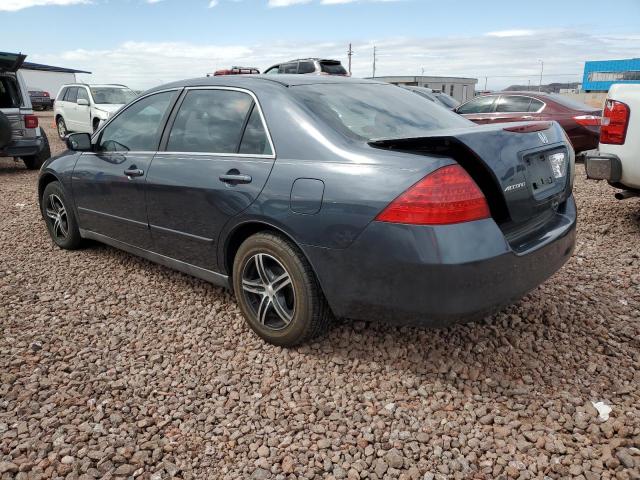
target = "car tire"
x: 34, y: 162
x: 5, y: 130
x: 62, y: 128
x: 60, y: 218
x: 278, y: 292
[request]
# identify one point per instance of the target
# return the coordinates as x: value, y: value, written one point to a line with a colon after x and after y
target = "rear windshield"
x: 9, y: 94
x: 332, y: 68
x: 370, y: 111
x: 112, y: 95
x: 571, y: 103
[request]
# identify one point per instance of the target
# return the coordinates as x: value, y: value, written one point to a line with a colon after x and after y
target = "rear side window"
x: 210, y: 121
x: 9, y: 95
x: 482, y: 104
x: 332, y: 68
x: 71, y: 95
x: 513, y: 103
x: 254, y: 140
x: 306, y: 67
x: 139, y: 127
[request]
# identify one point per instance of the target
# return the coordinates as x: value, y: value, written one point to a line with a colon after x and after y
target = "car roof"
x: 249, y: 81
x: 94, y: 85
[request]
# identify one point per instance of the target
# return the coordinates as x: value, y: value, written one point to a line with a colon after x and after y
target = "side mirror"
x: 79, y: 142
x: 83, y: 102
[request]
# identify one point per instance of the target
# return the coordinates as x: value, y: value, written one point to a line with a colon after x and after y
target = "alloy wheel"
x: 57, y: 217
x: 268, y: 290
x: 62, y: 131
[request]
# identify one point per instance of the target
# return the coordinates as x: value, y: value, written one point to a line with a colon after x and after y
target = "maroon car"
x: 580, y: 121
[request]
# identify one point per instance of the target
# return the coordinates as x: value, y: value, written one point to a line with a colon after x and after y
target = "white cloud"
x: 504, y: 60
x: 15, y: 5
x: 286, y: 3
x: 213, y: 3
x: 511, y: 33
x: 153, y: 1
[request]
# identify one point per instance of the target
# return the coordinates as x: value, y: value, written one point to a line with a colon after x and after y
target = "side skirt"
x: 202, y: 273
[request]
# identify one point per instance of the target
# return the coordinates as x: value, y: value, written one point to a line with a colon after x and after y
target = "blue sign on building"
x: 600, y: 75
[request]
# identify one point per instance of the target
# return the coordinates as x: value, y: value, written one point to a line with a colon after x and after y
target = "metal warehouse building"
x: 460, y: 88
x: 600, y: 75
x: 47, y: 77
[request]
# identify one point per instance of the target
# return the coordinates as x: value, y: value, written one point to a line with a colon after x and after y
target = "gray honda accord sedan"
x: 315, y: 197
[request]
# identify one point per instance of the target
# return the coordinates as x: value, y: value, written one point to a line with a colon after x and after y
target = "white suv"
x: 80, y: 107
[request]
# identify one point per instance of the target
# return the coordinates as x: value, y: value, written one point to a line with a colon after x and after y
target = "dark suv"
x: 20, y: 135
x: 309, y: 66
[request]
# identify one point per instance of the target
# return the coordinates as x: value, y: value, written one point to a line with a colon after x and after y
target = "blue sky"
x: 144, y: 42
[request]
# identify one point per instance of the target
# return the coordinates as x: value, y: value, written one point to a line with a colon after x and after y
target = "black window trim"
x: 95, y: 138
x: 162, y: 150
x: 531, y: 99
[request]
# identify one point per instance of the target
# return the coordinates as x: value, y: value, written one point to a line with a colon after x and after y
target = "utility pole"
x: 529, y: 85
x: 485, y: 84
x: 541, y: 70
x: 374, y: 61
x: 349, y: 54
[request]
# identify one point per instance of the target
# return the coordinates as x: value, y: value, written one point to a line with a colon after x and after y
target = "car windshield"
x: 446, y: 100
x: 112, y: 95
x: 571, y: 103
x: 375, y: 111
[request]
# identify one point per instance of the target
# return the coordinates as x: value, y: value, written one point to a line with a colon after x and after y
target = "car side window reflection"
x: 254, y: 139
x: 210, y: 121
x: 139, y: 127
x: 478, y: 105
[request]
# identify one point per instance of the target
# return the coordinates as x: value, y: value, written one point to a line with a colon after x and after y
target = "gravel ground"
x: 112, y: 367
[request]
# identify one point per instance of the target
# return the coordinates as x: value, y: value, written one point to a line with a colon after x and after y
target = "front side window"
x: 289, y: 68
x: 482, y: 104
x: 375, y: 111
x: 273, y: 70
x: 82, y: 94
x: 513, y: 104
x: 210, y: 121
x: 62, y: 93
x: 72, y: 95
x: 139, y: 127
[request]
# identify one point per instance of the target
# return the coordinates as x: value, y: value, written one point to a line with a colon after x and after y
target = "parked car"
x: 440, y: 98
x: 237, y: 71
x: 617, y: 159
x: 309, y: 66
x: 319, y: 196
x: 580, y: 121
x: 20, y: 134
x: 40, y: 100
x: 80, y: 107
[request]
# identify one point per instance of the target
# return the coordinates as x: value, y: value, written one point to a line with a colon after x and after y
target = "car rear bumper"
x: 603, y: 166
x: 436, y: 276
x: 22, y: 148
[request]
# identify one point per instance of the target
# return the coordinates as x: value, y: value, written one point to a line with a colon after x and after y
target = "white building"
x: 47, y: 78
x: 460, y: 88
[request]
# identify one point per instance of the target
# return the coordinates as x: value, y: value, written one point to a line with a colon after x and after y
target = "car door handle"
x: 134, y: 172
x: 235, y: 178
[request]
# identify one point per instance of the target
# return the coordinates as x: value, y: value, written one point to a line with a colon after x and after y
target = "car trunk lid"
x: 517, y: 165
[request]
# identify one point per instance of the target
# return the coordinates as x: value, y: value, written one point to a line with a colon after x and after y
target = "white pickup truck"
x: 617, y: 159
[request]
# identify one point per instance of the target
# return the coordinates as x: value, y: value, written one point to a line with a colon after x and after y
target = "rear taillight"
x: 45, y: 94
x: 614, y: 123
x: 30, y: 121
x: 588, y: 120
x: 447, y: 195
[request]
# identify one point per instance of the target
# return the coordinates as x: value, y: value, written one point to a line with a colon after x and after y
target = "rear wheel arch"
x: 243, y: 231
